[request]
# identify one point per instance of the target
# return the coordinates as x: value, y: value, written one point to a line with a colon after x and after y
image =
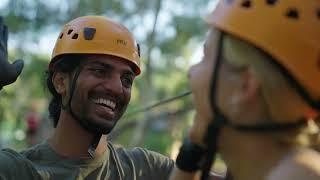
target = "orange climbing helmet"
x: 97, y: 35
x: 288, y: 30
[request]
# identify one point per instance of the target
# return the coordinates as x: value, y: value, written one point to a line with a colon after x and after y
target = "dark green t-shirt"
x: 41, y: 162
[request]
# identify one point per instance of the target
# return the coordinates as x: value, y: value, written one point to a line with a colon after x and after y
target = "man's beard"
x: 98, y: 127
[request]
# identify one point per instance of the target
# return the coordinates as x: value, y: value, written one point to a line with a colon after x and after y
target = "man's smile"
x: 105, y: 102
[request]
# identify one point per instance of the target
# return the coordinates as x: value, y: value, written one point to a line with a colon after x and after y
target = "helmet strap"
x: 218, y: 120
x: 269, y: 127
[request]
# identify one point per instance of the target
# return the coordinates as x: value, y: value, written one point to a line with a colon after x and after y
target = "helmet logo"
x: 121, y: 42
x: 89, y: 33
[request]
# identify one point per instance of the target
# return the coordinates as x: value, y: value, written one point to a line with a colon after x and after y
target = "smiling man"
x: 90, y: 75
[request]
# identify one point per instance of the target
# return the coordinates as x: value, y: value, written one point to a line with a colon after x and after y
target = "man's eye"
x: 127, y: 81
x: 98, y: 71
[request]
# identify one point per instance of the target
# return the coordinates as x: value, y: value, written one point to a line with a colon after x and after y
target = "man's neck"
x: 71, y: 140
x: 250, y: 156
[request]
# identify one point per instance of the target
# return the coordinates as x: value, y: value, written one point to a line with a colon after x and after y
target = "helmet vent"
x: 61, y: 35
x: 246, y: 4
x: 139, y: 53
x: 70, y: 31
x: 318, y: 13
x: 271, y: 2
x: 293, y: 13
x: 89, y: 33
x: 75, y: 36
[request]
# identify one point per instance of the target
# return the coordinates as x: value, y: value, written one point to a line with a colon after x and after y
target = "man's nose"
x: 113, y: 84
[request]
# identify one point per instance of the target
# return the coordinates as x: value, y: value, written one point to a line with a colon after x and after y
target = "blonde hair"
x: 242, y: 55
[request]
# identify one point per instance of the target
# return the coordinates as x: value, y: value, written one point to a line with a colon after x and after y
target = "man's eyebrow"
x: 129, y: 72
x: 108, y: 66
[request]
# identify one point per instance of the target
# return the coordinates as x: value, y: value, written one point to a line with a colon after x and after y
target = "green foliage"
x: 34, y: 73
x: 158, y: 141
x: 186, y: 28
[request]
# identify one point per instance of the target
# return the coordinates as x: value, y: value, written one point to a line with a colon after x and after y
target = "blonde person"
x: 257, y: 92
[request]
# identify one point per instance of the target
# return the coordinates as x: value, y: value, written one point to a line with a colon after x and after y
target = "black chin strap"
x: 83, y: 123
x: 268, y: 127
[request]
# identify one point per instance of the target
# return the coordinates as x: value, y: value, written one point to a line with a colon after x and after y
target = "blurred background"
x: 171, y: 34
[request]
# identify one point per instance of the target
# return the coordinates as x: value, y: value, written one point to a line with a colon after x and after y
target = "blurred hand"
x: 8, y: 72
x: 200, y: 81
x: 198, y: 130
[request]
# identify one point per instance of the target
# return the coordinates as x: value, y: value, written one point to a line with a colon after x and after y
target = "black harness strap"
x: 219, y: 120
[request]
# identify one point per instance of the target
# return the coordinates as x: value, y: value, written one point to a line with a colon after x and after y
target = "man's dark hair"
x: 65, y: 64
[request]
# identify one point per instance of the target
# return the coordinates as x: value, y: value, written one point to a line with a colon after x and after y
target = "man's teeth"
x: 106, y: 102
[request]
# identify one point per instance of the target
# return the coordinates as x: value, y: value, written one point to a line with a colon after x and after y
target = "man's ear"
x: 60, y: 82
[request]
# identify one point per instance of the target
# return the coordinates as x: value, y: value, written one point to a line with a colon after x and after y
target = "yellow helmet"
x: 97, y: 35
x: 288, y: 30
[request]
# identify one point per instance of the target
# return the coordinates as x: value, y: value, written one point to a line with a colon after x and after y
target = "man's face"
x: 102, y: 91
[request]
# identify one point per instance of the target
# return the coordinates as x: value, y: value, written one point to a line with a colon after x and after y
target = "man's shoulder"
x: 15, y: 165
x: 138, y: 152
x: 23, y: 157
x: 9, y: 156
x: 33, y: 151
x: 151, y: 163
